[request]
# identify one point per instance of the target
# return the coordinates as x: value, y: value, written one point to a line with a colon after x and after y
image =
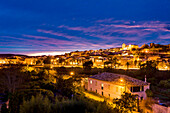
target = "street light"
x: 71, y: 73
x: 123, y: 80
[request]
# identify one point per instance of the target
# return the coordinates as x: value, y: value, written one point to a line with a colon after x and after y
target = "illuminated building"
x: 111, y: 85
x: 129, y: 47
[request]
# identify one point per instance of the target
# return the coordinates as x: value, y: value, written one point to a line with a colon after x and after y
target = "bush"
x: 39, y: 104
x: 149, y: 93
x: 164, y: 83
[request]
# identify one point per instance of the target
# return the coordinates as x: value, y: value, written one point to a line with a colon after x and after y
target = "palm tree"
x: 127, y: 64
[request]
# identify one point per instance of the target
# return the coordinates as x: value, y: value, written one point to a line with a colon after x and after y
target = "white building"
x: 113, y: 85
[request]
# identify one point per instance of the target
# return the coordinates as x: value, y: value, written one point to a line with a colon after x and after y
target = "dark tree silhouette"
x: 127, y: 103
x: 11, y: 79
x: 149, y: 68
x: 87, y: 65
x: 47, y: 60
x: 127, y: 64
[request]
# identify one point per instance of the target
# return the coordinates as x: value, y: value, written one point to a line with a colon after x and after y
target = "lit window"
x: 102, y: 86
x: 96, y: 83
x: 121, y: 90
x: 90, y: 81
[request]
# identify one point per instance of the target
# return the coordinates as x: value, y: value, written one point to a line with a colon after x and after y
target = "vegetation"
x: 87, y: 66
x: 40, y: 104
x: 26, y: 85
x: 127, y: 103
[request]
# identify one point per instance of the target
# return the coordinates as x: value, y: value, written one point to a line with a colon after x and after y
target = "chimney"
x: 145, y: 78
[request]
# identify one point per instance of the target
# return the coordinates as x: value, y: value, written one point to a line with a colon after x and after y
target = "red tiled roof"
x: 115, y: 78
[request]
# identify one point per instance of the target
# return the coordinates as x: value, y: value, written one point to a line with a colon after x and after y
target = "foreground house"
x: 113, y: 85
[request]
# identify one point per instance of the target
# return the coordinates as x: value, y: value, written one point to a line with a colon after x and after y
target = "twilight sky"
x: 57, y: 26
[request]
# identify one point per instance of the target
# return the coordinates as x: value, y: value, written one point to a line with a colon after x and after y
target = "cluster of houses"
x: 133, y: 54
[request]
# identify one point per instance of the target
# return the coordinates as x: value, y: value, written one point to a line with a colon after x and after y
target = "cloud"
x: 106, y: 33
x: 58, y: 34
x: 167, y: 36
x: 120, y: 29
x: 112, y: 20
x: 63, y: 44
x: 35, y: 37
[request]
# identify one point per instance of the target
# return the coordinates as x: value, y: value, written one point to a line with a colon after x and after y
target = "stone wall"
x: 160, y: 109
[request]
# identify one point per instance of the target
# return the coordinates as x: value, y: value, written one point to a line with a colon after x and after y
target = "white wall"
x: 115, y: 91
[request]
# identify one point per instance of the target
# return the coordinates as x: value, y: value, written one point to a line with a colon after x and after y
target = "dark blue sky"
x: 34, y: 26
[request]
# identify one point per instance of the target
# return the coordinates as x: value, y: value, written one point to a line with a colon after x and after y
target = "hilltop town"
x: 128, y: 56
x: 102, y: 78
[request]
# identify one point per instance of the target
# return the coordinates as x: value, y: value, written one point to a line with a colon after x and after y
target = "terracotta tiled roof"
x: 115, y: 78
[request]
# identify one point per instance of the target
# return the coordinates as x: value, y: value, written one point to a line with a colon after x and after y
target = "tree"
x: 87, y: 65
x: 135, y: 62
x: 62, y: 71
x: 37, y: 104
x: 149, y: 93
x: 65, y: 87
x: 127, y: 64
x: 39, y: 62
x: 11, y: 79
x: 127, y: 103
x: 47, y: 60
x: 149, y: 68
x: 16, y: 99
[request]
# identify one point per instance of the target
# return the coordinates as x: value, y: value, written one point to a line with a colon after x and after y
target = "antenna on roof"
x: 145, y: 78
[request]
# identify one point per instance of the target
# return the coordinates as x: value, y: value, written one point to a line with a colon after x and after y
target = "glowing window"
x: 102, y: 86
x: 91, y: 82
x: 96, y: 83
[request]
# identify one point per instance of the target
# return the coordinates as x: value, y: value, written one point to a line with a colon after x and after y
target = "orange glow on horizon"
x: 48, y: 53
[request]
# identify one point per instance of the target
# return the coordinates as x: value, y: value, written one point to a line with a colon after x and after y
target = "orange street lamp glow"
x: 71, y: 73
x: 121, y: 80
